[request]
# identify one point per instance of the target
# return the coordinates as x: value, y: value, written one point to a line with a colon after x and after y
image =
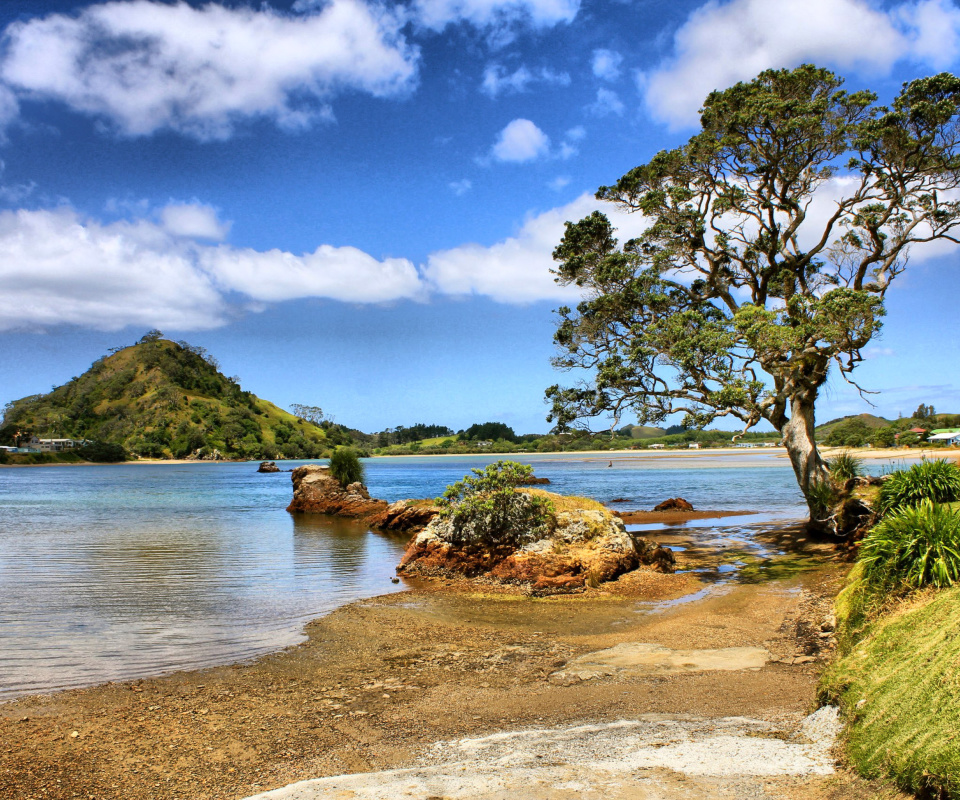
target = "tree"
x: 311, y: 414
x: 774, y: 235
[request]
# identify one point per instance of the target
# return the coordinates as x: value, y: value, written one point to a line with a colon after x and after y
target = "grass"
x: 899, y: 688
x: 844, y: 466
x: 936, y: 480
x: 911, y: 548
x: 565, y: 503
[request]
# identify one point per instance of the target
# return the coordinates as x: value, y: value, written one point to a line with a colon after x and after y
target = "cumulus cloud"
x: 606, y: 64
x: 194, y: 220
x: 497, y: 81
x: 437, y: 14
x: 144, y: 65
x: 517, y: 269
x: 722, y: 43
x: 521, y: 141
x: 608, y: 102
x: 58, y: 269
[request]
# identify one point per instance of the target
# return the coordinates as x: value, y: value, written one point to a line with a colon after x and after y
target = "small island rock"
x: 674, y: 504
x: 316, y: 491
x: 268, y: 466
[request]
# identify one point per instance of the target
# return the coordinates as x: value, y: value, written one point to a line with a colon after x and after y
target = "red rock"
x: 674, y: 504
x: 316, y: 491
x: 404, y: 515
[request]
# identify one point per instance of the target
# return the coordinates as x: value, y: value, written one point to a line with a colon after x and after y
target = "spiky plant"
x: 937, y: 480
x: 844, y: 466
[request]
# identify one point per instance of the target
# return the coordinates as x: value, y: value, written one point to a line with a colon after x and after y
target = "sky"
x: 353, y: 204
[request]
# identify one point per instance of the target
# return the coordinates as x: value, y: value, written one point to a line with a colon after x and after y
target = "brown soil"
x: 674, y: 517
x: 379, y: 680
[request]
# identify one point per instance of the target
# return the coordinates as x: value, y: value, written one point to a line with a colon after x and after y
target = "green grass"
x: 898, y: 686
x: 937, y: 480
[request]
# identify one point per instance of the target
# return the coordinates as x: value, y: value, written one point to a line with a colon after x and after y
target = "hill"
x: 869, y: 420
x: 164, y: 399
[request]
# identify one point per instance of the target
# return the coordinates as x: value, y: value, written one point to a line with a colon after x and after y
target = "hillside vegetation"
x: 164, y: 399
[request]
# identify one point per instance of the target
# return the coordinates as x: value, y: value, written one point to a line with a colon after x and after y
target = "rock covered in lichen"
x: 316, y: 491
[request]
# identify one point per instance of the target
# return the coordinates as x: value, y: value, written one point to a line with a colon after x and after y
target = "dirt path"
x: 379, y: 683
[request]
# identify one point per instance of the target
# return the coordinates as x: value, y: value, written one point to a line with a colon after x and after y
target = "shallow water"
x: 114, y: 572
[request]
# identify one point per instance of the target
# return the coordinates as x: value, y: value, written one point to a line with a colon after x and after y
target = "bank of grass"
x: 899, y: 687
x: 565, y: 503
x: 897, y: 675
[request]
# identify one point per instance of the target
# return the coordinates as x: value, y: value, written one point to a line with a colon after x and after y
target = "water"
x: 115, y: 572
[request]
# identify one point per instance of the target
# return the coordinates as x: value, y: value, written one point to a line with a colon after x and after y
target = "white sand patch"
x: 656, y: 756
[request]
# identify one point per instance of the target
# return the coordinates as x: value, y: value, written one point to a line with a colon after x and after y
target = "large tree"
x: 773, y: 236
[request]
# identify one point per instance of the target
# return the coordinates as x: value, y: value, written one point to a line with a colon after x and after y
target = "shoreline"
x: 778, y: 455
x: 378, y: 681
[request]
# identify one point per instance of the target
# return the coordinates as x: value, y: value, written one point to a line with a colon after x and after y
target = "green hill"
x: 164, y: 399
x: 869, y: 420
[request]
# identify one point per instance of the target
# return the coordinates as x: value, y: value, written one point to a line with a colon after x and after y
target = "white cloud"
x: 57, y: 269
x: 194, y: 220
x: 461, y: 187
x: 338, y: 273
x: 517, y: 269
x: 145, y: 65
x: 608, y: 102
x: 606, y: 64
x: 521, y: 141
x: 722, y: 43
x: 558, y: 183
x: 496, y: 80
x: 437, y: 14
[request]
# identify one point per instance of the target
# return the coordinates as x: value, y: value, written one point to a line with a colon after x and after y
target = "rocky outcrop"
x: 533, y: 480
x: 268, y: 466
x: 674, y: 504
x: 316, y: 491
x: 405, y: 516
x: 584, y: 547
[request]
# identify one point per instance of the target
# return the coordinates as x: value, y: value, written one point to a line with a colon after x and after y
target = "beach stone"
x: 405, y: 515
x: 674, y: 504
x: 638, y: 658
x: 585, y: 547
x: 316, y: 491
x: 268, y: 466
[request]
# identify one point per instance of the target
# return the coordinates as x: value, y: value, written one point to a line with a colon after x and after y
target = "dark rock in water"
x: 674, y: 504
x: 404, y: 515
x: 533, y: 480
x: 620, y: 500
x: 655, y: 555
x: 268, y: 466
x: 316, y: 491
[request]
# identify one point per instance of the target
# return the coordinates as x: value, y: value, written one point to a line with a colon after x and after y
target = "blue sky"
x: 353, y: 204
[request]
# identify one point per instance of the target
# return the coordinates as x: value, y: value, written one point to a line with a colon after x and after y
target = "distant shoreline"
x: 779, y: 455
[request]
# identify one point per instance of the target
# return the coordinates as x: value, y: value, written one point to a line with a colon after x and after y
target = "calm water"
x: 114, y: 572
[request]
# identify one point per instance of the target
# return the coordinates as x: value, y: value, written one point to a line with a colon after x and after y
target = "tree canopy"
x: 773, y: 236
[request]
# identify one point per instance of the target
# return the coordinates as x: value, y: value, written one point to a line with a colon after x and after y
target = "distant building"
x: 694, y: 445
x: 38, y: 445
x: 946, y: 437
x: 657, y: 446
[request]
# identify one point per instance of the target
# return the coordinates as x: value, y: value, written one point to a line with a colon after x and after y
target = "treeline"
x: 856, y: 432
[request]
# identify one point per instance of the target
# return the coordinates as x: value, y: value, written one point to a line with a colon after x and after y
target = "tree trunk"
x: 800, y: 441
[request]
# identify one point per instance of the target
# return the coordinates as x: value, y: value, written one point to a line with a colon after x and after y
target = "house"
x: 657, y: 446
x: 37, y: 444
x: 945, y: 437
x: 694, y: 445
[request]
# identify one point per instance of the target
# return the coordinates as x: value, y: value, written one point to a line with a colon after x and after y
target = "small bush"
x: 844, y: 466
x: 936, y: 480
x: 487, y: 509
x: 345, y: 466
x: 913, y: 547
x: 821, y: 496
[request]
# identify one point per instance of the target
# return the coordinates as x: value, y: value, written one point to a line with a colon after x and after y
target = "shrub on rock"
x: 345, y: 466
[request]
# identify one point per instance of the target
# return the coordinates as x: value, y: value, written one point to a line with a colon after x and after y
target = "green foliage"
x: 161, y: 399
x: 715, y: 310
x: 844, y: 466
x: 852, y: 432
x: 913, y: 547
x: 489, y: 431
x: 898, y: 690
x: 884, y: 437
x: 821, y: 496
x: 102, y: 451
x: 935, y: 480
x: 345, y: 466
x: 486, y: 509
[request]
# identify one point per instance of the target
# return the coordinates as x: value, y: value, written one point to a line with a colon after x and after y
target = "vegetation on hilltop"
x: 164, y: 399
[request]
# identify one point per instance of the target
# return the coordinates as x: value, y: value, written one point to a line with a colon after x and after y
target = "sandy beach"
x: 379, y: 681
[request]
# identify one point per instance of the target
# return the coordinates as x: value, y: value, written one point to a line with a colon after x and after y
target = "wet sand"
x: 379, y: 681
